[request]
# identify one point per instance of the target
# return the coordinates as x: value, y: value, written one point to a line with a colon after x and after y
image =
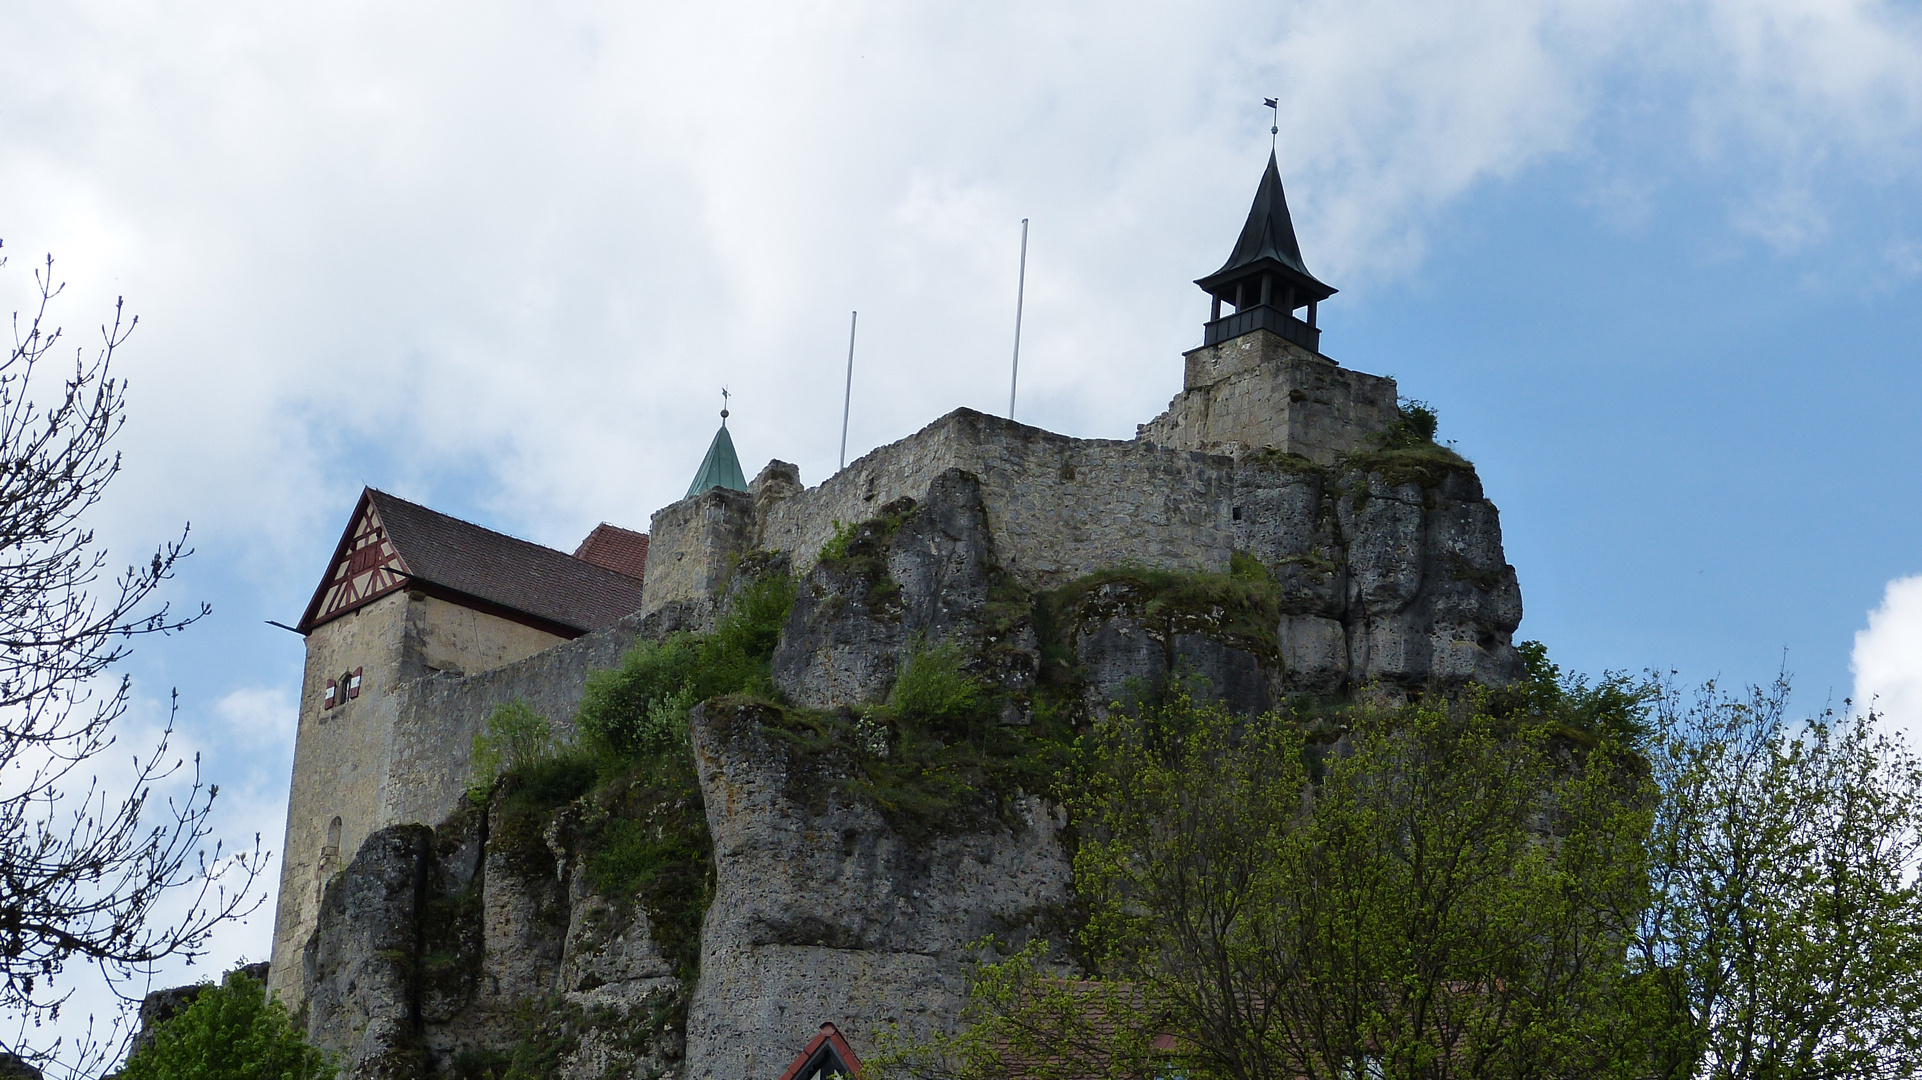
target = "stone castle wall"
x: 1061, y: 507
x: 1392, y: 578
x: 439, y: 715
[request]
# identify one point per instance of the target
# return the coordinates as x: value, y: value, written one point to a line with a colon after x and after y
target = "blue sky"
x: 1658, y: 266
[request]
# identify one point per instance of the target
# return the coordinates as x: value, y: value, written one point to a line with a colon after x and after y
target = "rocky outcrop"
x: 920, y: 571
x: 453, y: 952
x: 1382, y: 574
x: 1389, y: 566
x: 822, y: 910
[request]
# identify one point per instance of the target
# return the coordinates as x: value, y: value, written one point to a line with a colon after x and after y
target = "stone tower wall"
x: 692, y: 544
x: 1259, y: 390
x: 348, y: 759
x: 340, y: 760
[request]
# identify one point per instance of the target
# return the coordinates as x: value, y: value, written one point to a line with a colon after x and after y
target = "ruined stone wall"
x: 1059, y: 507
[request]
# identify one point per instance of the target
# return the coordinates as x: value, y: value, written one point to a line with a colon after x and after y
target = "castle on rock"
x: 1387, y: 569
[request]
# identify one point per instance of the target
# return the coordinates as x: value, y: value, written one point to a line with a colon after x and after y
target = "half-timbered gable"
x: 365, y: 567
x: 391, y: 543
x: 411, y: 598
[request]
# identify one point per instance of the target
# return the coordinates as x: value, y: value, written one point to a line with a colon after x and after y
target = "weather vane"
x: 1274, y: 128
x: 723, y: 406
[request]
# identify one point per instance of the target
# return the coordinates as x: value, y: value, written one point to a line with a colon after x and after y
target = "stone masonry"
x: 1259, y: 390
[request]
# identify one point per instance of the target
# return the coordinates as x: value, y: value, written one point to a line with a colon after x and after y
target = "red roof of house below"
x: 611, y: 547
x: 828, y: 1054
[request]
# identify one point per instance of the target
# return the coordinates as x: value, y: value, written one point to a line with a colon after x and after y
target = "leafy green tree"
x: 233, y: 1031
x: 1783, y: 937
x: 1552, y: 879
x: 1435, y: 894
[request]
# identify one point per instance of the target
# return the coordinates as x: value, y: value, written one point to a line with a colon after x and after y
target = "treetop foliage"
x: 232, y: 1031
x: 1554, y: 879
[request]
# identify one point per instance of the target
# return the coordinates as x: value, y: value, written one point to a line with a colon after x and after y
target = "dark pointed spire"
x: 1269, y: 237
x: 1265, y: 279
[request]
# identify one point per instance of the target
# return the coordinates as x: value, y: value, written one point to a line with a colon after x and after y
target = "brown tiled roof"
x: 623, y: 551
x: 502, y: 571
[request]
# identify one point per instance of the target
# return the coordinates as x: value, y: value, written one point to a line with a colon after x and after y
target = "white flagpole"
x: 847, y: 398
x: 1020, y: 294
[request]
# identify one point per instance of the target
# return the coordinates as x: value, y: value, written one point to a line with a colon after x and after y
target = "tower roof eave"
x: 1309, y: 286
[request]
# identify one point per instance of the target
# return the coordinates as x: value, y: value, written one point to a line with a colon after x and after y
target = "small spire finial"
x: 724, y: 396
x: 1274, y: 126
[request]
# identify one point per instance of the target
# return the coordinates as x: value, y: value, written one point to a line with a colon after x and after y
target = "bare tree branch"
x: 85, y: 866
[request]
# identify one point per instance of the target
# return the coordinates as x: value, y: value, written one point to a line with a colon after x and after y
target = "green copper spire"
x: 720, y: 468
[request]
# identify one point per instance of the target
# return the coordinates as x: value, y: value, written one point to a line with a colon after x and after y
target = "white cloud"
x: 525, y: 243
x: 259, y: 716
x: 1887, y: 659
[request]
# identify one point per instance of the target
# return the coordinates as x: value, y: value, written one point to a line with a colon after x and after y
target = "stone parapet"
x: 1059, y: 507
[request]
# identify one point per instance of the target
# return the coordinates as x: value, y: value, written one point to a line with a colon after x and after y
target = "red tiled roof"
x: 623, y: 551
x: 826, y: 1050
x: 481, y: 568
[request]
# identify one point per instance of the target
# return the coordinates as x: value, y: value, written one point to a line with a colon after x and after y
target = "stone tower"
x: 412, y: 594
x: 1259, y: 379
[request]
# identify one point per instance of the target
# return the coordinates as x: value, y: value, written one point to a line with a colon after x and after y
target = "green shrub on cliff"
x: 1614, y: 708
x: 943, y: 753
x: 640, y: 708
x: 233, y: 1031
x: 514, y: 737
x: 934, y: 688
x: 647, y: 841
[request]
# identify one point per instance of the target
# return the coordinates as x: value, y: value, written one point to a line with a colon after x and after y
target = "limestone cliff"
x: 499, y: 940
